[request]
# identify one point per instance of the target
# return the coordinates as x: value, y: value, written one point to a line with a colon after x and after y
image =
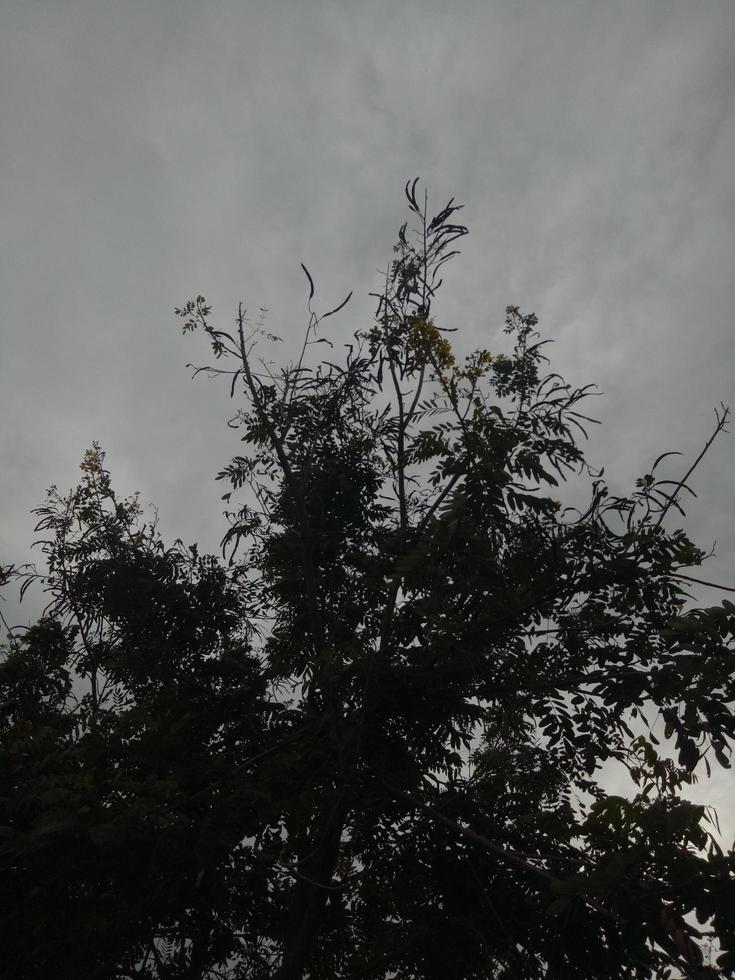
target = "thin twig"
x: 721, y: 425
x: 701, y: 581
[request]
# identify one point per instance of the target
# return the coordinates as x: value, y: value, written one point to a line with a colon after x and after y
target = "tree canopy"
x: 370, y: 739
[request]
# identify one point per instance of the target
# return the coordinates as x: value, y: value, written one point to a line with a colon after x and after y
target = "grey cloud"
x: 154, y: 151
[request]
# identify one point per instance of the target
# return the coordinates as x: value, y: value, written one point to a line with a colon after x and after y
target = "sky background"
x: 152, y: 151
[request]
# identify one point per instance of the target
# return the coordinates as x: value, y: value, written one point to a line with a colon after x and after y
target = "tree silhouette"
x: 368, y: 741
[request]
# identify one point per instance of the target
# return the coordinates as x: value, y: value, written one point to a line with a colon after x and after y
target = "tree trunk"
x: 317, y: 868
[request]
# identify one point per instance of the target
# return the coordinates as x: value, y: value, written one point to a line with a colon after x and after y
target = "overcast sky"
x: 151, y: 151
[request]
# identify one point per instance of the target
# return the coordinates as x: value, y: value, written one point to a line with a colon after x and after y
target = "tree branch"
x: 671, y: 498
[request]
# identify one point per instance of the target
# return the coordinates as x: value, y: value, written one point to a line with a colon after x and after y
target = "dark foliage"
x: 369, y: 742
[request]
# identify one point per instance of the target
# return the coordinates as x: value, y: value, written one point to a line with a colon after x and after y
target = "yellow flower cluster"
x: 93, y: 459
x: 426, y: 341
x: 476, y: 365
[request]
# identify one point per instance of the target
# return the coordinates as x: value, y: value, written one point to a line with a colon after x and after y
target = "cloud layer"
x: 155, y: 151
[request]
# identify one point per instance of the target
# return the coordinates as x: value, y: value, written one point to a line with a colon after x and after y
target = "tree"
x: 368, y: 741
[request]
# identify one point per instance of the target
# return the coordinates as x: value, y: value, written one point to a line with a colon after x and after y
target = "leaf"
x: 688, y: 754
x: 311, y: 282
x: 721, y: 757
x: 673, y: 452
x: 338, y: 308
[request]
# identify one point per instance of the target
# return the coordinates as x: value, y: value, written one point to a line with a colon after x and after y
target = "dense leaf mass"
x: 371, y: 740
